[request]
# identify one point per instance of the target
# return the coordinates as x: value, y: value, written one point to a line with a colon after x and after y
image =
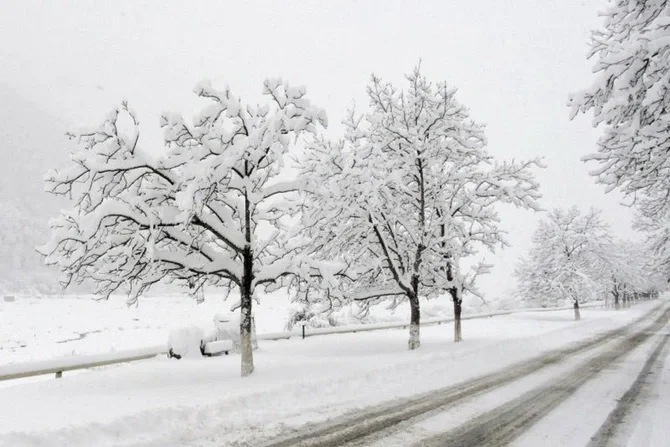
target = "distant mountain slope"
x: 31, y: 142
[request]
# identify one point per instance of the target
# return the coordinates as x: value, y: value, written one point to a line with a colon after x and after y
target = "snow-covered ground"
x: 42, y: 328
x: 205, y: 402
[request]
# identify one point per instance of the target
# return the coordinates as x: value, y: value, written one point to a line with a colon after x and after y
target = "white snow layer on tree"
x: 574, y: 257
x: 182, y: 217
x: 403, y: 198
x: 630, y: 103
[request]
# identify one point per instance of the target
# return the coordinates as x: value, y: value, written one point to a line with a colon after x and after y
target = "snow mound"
x: 186, y: 341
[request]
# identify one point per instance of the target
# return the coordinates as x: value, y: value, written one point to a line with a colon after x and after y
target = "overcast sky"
x: 514, y: 63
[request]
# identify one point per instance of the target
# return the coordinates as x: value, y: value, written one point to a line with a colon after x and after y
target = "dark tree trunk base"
x: 415, y: 323
x: 578, y: 315
x: 458, y: 308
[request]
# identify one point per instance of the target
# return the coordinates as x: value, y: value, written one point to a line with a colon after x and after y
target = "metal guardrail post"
x: 59, y: 374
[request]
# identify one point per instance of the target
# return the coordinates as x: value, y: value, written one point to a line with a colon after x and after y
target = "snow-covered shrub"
x: 300, y: 315
x: 185, y: 342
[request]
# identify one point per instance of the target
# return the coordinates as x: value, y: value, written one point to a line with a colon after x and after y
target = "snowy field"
x: 204, y: 402
x: 42, y: 328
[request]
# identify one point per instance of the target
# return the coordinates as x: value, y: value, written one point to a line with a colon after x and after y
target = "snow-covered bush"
x: 314, y: 316
x: 186, y: 342
x: 310, y: 319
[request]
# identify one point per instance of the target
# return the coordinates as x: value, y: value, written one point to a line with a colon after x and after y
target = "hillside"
x: 31, y: 142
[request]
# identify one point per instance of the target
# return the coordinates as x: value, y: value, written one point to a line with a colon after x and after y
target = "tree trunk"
x: 617, y: 306
x: 576, y: 307
x: 415, y: 325
x: 245, y: 341
x: 456, y: 298
x: 415, y: 317
x: 458, y: 306
x: 246, y: 348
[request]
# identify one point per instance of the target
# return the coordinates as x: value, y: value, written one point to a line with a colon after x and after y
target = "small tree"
x: 568, y: 247
x: 206, y: 213
x: 404, y: 197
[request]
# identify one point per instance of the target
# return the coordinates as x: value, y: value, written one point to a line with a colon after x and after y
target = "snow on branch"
x: 189, y: 215
x: 408, y: 193
x: 629, y: 100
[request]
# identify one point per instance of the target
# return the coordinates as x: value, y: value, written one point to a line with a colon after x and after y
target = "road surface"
x: 613, y: 379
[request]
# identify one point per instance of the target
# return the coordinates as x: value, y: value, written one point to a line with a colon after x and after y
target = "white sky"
x: 514, y: 63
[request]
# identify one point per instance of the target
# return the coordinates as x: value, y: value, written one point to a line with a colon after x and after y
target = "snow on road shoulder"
x: 205, y: 402
x: 577, y: 419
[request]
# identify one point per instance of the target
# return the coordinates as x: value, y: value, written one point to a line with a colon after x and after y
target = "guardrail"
x: 430, y: 321
x: 60, y: 365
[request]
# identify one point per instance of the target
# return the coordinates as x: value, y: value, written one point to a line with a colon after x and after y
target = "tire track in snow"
x: 357, y: 425
x: 614, y: 426
x: 505, y: 423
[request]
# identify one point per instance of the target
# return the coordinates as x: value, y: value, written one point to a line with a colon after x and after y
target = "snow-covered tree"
x: 404, y: 197
x: 207, y: 212
x: 630, y: 99
x: 657, y: 229
x: 566, y: 258
x: 621, y: 270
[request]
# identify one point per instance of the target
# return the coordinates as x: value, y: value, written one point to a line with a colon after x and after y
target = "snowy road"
x: 635, y: 420
x: 497, y: 409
